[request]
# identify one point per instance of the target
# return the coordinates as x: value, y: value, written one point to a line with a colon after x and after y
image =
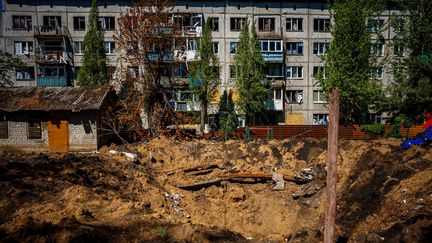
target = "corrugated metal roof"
x: 52, y: 98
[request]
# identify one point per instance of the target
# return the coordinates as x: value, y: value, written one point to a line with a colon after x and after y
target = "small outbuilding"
x: 54, y: 119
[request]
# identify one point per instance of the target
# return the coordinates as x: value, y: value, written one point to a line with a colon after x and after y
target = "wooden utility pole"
x: 332, y: 152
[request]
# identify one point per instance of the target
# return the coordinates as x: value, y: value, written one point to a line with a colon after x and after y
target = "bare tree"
x: 145, y: 40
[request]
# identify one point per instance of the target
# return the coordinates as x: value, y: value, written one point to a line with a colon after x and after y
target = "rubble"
x: 206, y: 191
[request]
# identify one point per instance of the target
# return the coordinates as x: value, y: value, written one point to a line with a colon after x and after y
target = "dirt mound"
x: 205, y: 191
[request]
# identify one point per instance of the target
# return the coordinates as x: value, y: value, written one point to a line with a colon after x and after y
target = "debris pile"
x: 206, y: 191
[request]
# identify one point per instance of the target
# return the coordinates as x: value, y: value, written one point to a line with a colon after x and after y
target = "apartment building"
x: 294, y: 35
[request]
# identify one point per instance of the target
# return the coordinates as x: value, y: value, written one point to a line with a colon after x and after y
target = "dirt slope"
x: 228, y: 193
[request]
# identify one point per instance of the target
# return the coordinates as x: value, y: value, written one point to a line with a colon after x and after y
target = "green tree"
x: 249, y: 64
x: 8, y: 64
x: 410, y: 93
x: 206, y: 70
x: 94, y: 69
x: 227, y: 115
x: 347, y: 68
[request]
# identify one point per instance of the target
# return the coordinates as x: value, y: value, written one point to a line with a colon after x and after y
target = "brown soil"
x: 385, y: 193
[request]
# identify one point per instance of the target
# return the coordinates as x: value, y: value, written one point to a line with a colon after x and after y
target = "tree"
x: 347, y: 69
x: 410, y: 93
x: 206, y: 70
x: 94, y: 69
x: 227, y: 115
x: 249, y: 64
x: 146, y: 39
x: 8, y: 64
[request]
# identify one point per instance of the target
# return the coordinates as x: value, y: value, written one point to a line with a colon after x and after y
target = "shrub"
x: 375, y: 129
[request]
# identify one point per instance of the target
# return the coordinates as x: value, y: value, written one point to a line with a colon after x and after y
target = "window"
x: 294, y: 24
x: 4, y: 129
x: 319, y: 97
x: 34, y: 130
x: 51, y: 71
x: 275, y: 94
x: 377, y: 72
x: 109, y: 47
x: 320, y: 119
x: 23, y: 47
x: 294, y: 48
x: 377, y: 49
x: 26, y: 73
x: 214, y: 24
x: 266, y: 24
x: 320, y: 48
x: 133, y: 72
x: 295, y: 72
x: 107, y: 23
x: 79, y: 47
x: 53, y: 22
x: 375, y: 24
x: 322, y: 25
x: 232, y: 71
x: 399, y: 24
x: 233, y: 47
x: 271, y: 45
x: 237, y: 23
x: 294, y: 96
x: 21, y: 22
x: 132, y: 47
x: 398, y: 50
x: 215, y: 47
x: 79, y: 23
x: 273, y: 70
x: 319, y: 70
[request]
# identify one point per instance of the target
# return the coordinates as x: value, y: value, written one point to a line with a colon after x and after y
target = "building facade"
x: 294, y: 35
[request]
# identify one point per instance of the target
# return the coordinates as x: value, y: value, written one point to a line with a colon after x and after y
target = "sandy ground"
x: 206, y: 191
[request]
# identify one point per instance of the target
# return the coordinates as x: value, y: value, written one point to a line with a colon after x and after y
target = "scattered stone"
x: 131, y: 156
x: 279, y: 180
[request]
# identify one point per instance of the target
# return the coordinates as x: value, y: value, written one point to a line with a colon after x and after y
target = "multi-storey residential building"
x: 48, y: 36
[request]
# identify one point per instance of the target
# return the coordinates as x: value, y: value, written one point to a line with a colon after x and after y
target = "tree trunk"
x: 332, y: 153
x: 203, y: 116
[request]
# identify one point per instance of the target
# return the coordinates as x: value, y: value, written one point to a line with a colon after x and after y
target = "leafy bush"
x: 375, y: 129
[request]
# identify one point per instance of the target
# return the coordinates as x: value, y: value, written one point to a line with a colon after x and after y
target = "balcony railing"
x: 44, y: 30
x: 54, y: 57
x: 51, y: 81
x: 272, y: 57
x: 273, y: 105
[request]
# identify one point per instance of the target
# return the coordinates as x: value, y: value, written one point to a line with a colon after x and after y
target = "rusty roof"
x: 52, y: 98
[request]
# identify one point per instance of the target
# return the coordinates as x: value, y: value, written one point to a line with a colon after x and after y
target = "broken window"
x: 23, y: 47
x: 294, y: 96
x: 107, y: 23
x: 266, y: 24
x: 294, y: 48
x: 79, y: 23
x: 322, y: 25
x: 21, y: 22
x: 34, y: 130
x: 52, y: 22
x: 4, y: 129
x: 237, y: 23
x: 294, y: 24
x: 214, y: 24
x: 26, y: 73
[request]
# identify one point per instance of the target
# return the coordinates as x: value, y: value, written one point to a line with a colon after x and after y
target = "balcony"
x: 188, y: 55
x: 185, y: 105
x: 273, y: 105
x: 278, y: 81
x: 155, y: 56
x: 272, y: 57
x: 51, y: 31
x: 53, y: 57
x: 52, y: 81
